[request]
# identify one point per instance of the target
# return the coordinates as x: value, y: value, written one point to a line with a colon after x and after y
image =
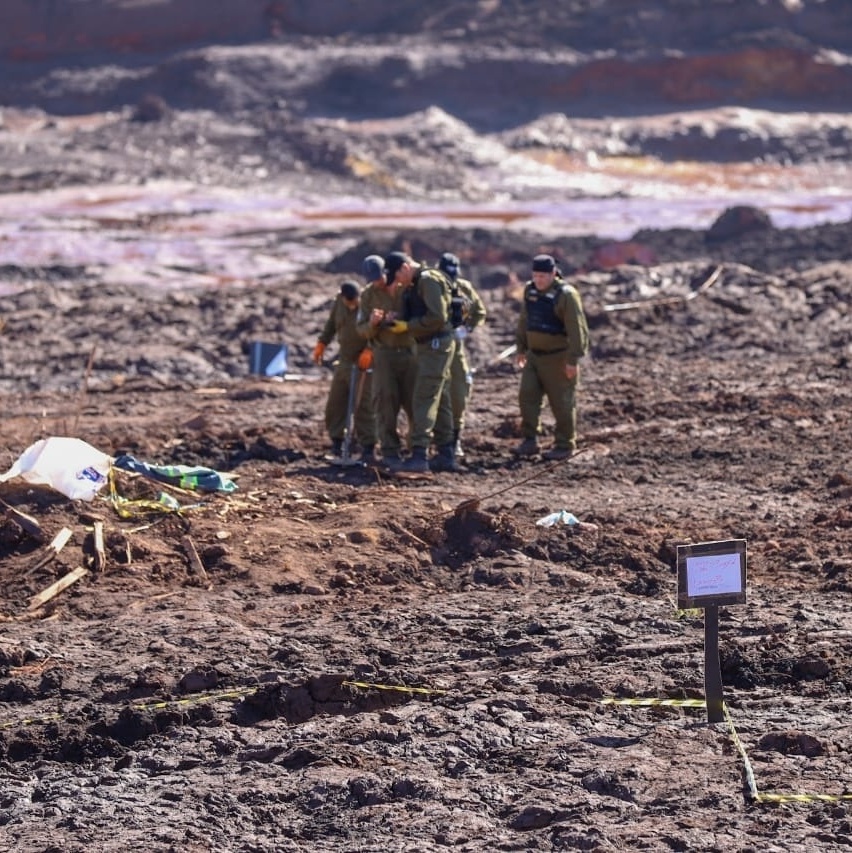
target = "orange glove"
x: 319, y: 349
x: 365, y: 359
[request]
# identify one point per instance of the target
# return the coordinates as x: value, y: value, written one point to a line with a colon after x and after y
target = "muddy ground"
x: 332, y: 659
x: 360, y: 665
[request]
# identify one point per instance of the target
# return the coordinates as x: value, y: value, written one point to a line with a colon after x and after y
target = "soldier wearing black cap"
x: 353, y: 364
x: 428, y: 300
x: 466, y: 314
x: 552, y: 336
x: 393, y: 356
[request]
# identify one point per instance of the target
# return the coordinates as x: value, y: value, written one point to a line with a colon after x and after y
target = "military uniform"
x: 341, y: 324
x: 393, y: 365
x: 428, y: 317
x: 466, y: 316
x: 552, y: 332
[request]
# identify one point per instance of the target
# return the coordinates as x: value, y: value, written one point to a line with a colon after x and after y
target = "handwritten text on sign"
x: 713, y: 574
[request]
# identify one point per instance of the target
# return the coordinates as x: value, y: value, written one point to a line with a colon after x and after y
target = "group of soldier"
x: 402, y: 349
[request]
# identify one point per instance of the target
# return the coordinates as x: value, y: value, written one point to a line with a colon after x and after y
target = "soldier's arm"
x: 363, y: 324
x: 477, y: 310
x: 521, y: 330
x: 574, y: 320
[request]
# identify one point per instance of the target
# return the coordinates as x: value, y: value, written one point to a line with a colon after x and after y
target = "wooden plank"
x: 52, y: 550
x: 26, y: 522
x: 60, y: 540
x: 100, y: 552
x: 55, y: 588
x: 195, y: 564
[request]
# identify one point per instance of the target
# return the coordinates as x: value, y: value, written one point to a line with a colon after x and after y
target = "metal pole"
x: 350, y: 410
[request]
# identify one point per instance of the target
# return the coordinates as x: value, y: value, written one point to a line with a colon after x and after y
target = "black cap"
x: 393, y: 263
x: 373, y: 268
x: 349, y: 290
x: 450, y: 264
x: 543, y: 263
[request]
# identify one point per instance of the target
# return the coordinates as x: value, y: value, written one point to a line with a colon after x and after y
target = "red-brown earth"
x: 360, y: 663
x: 151, y: 704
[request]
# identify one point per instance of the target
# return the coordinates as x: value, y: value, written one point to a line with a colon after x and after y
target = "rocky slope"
x: 282, y: 75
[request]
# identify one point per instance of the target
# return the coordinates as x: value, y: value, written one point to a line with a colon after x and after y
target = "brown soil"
x: 364, y: 665
x: 356, y: 662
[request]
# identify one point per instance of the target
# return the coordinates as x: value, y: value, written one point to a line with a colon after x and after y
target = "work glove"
x: 365, y: 359
x: 319, y: 349
x: 460, y: 332
x: 399, y: 326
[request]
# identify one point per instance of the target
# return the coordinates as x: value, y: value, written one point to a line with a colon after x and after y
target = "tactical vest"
x: 413, y: 305
x: 459, y: 306
x: 541, y: 310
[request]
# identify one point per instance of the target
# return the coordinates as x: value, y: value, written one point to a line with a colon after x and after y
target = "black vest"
x: 413, y: 305
x: 459, y: 306
x: 541, y: 310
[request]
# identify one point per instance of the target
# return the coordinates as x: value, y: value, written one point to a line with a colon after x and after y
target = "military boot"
x: 528, y: 447
x: 416, y: 463
x: 557, y: 453
x: 446, y: 459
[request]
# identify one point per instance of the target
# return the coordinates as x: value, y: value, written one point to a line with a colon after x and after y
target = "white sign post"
x: 710, y: 575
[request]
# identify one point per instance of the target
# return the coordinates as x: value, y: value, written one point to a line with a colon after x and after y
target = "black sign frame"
x: 708, y: 552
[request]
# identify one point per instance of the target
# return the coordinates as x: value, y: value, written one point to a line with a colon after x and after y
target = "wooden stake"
x: 195, y: 564
x: 100, y: 553
x: 55, y: 588
x: 52, y: 550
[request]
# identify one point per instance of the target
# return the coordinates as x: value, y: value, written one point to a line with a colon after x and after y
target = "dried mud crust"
x: 368, y: 663
x: 331, y: 659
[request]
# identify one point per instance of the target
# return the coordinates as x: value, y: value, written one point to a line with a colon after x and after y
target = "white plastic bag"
x: 69, y: 465
x: 556, y: 517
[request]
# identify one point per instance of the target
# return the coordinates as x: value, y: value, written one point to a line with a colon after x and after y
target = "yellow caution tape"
x: 196, y: 699
x: 689, y: 613
x: 756, y: 795
x: 366, y: 685
x: 127, y: 508
x: 667, y: 703
x: 767, y: 797
x: 749, y: 771
x: 32, y: 721
x: 199, y: 698
x: 802, y: 798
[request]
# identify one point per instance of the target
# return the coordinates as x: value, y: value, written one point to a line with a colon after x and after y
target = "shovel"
x: 345, y: 460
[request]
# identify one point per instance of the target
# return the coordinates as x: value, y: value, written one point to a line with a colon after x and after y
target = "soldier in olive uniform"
x: 393, y: 356
x: 467, y: 312
x: 427, y: 318
x: 353, y: 357
x: 551, y: 337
